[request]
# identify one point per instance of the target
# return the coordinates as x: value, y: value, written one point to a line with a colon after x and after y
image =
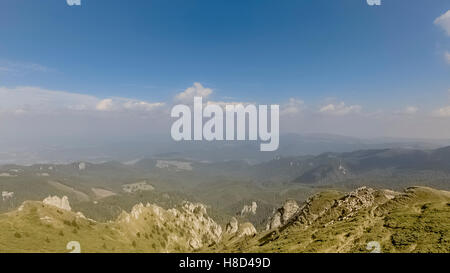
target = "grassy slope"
x: 41, y: 228
x: 417, y: 221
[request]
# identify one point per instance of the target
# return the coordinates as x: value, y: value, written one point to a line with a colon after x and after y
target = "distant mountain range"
x: 391, y: 164
x: 393, y: 168
x: 388, y: 167
x: 216, y: 151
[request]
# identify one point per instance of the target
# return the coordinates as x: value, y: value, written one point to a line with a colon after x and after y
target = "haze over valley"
x: 233, y: 201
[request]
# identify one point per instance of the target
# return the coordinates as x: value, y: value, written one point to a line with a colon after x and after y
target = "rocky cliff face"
x: 62, y: 203
x: 246, y: 229
x: 249, y: 209
x: 282, y: 215
x: 145, y: 228
x: 233, y: 228
x: 7, y: 195
x: 191, y: 221
x: 354, y: 201
x: 335, y: 210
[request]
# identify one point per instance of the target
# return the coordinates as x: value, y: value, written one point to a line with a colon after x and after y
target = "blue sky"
x: 244, y: 49
x: 320, y: 53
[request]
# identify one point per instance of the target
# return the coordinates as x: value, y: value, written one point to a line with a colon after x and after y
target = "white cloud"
x: 120, y: 104
x: 44, y: 115
x: 340, y: 109
x: 24, y: 99
x: 444, y: 22
x: 447, y: 56
x: 442, y: 112
x: 141, y: 105
x: 294, y: 106
x: 105, y: 105
x: 408, y: 110
x: 197, y: 90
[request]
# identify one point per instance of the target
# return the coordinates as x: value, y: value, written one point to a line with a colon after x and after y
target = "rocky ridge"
x: 338, y: 209
x: 62, y: 203
x: 233, y: 228
x: 191, y: 220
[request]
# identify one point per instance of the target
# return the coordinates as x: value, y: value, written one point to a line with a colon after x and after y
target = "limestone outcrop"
x: 62, y: 203
x: 283, y: 214
x: 190, y: 219
x: 235, y: 229
x: 249, y: 209
x: 232, y: 226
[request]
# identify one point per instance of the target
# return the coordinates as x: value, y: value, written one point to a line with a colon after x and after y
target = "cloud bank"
x: 44, y: 116
x: 35, y: 100
x: 339, y: 109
